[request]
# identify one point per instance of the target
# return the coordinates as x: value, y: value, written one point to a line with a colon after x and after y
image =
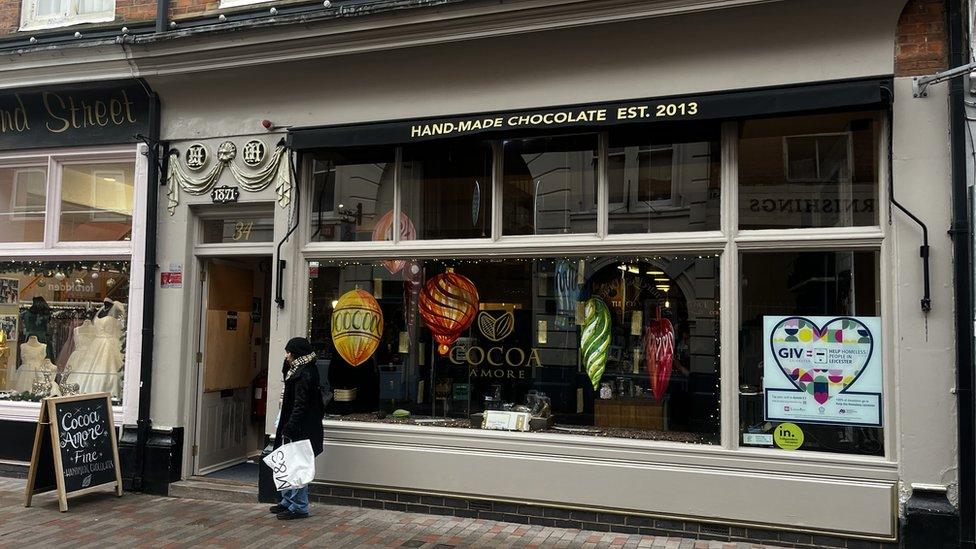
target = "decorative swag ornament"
x: 277, y: 169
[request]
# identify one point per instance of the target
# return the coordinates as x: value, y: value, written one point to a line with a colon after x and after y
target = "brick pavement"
x: 136, y: 520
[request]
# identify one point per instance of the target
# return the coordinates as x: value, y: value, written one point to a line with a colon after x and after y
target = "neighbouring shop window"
x: 664, y: 178
x: 238, y: 230
x: 826, y: 302
x: 96, y: 201
x: 352, y: 195
x: 446, y: 191
x: 62, y: 328
x: 602, y: 346
x: 809, y: 171
x: 550, y: 185
x: 23, y: 203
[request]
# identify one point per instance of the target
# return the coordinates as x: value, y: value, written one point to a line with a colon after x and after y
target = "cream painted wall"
x: 176, y: 324
x: 763, y: 45
x: 924, y: 365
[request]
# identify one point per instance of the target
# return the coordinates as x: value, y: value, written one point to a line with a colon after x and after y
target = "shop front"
x: 654, y: 293
x: 73, y: 187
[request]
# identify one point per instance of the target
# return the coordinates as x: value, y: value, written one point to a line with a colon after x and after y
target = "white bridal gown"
x: 98, y: 369
x: 83, y: 337
x: 32, y: 355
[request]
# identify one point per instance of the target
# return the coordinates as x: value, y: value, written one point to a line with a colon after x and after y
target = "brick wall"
x: 921, y: 45
x: 127, y: 12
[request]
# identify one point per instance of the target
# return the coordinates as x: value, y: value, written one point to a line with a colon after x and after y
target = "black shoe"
x: 291, y: 515
x: 275, y: 509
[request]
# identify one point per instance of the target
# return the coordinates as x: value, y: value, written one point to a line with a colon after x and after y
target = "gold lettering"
x: 492, y: 362
x: 481, y: 356
x: 521, y: 354
x: 115, y: 111
x: 453, y: 355
x: 45, y: 96
x: 73, y: 109
x: 100, y: 111
x: 534, y: 357
x: 128, y: 108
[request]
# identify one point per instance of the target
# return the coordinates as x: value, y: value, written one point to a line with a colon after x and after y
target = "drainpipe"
x: 962, y: 277
x: 144, y: 422
x: 162, y: 15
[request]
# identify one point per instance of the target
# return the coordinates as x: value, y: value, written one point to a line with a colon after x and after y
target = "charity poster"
x: 823, y: 369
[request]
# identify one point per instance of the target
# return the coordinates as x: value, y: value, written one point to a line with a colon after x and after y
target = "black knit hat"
x: 299, y: 346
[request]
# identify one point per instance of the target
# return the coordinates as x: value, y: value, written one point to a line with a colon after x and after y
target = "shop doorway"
x: 233, y: 366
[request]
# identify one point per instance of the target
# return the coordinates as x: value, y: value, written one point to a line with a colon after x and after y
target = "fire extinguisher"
x: 259, y: 396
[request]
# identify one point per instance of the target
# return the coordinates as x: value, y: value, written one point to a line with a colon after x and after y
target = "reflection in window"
x: 96, y: 202
x: 352, y: 195
x: 809, y: 171
x: 664, y: 179
x: 447, y: 190
x: 550, y: 185
x: 805, y: 284
x: 23, y: 201
x: 62, y: 328
x: 524, y: 346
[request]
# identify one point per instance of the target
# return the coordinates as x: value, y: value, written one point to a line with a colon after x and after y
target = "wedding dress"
x: 98, y: 370
x: 82, y: 336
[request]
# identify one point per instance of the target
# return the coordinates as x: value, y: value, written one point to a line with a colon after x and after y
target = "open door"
x: 233, y: 355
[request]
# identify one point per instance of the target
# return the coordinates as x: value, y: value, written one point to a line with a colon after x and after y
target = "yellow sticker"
x: 788, y: 436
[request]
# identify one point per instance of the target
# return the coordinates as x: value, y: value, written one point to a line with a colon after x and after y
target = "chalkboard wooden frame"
x: 41, y: 463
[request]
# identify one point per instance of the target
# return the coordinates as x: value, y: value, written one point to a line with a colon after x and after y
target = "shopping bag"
x: 292, y: 465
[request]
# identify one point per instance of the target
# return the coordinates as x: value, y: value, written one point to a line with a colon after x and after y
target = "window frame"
x: 729, y: 241
x: 132, y: 250
x: 30, y: 20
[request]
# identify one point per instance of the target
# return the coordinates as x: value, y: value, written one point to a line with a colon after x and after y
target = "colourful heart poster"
x: 822, y: 369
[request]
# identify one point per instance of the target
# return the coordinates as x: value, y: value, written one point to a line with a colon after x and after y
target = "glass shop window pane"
x: 447, y: 190
x: 23, y: 201
x: 550, y: 185
x: 664, y: 178
x: 809, y: 171
x: 352, y: 195
x: 96, y: 202
x: 62, y: 328
x: 791, y: 302
x: 459, y: 338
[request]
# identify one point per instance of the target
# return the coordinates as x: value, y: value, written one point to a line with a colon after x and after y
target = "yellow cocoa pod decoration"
x: 357, y: 326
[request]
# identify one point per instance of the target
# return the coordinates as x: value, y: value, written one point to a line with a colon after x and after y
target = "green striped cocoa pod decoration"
x: 596, y: 338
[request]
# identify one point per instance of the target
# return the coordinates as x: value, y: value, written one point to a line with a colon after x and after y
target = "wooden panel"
x: 628, y: 414
x: 229, y: 288
x: 227, y: 355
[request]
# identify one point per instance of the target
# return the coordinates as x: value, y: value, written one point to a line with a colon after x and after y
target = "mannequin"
x: 98, y: 369
x: 35, y: 320
x: 83, y: 337
x: 33, y: 353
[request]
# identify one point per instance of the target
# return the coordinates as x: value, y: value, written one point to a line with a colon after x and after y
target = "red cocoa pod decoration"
x: 448, y: 304
x: 659, y: 355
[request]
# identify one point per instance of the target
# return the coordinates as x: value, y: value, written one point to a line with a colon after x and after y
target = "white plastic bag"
x: 292, y: 465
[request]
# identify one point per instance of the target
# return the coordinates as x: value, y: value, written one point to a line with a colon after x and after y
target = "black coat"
x: 301, y: 409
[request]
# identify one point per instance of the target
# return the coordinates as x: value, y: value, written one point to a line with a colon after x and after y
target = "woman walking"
x: 300, y: 418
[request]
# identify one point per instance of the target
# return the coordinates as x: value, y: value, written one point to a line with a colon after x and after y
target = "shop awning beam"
x: 920, y: 84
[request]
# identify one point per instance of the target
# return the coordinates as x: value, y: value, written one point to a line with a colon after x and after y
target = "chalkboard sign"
x: 80, y: 453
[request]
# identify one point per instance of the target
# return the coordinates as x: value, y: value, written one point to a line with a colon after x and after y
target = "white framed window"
x: 746, y: 247
x: 49, y: 14
x: 239, y: 3
x: 73, y: 246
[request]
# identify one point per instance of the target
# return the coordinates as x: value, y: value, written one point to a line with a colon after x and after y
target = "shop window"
x: 446, y: 190
x: 46, y: 14
x: 810, y: 338
x: 809, y: 172
x: 23, y: 203
x: 352, y: 195
x: 601, y: 346
x: 96, y: 202
x: 663, y: 179
x: 62, y: 328
x: 550, y: 185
